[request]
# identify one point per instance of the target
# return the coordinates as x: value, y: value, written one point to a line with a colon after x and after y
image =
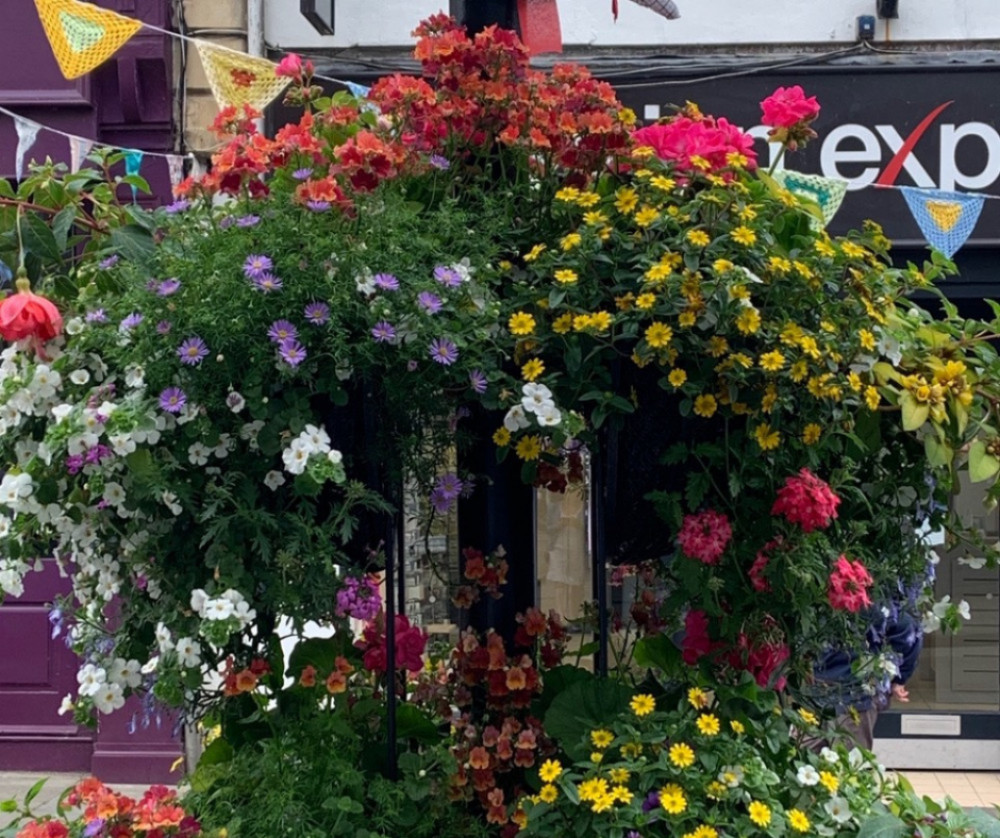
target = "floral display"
x: 216, y: 416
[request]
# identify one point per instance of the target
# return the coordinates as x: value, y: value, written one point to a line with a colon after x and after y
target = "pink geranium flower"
x: 704, y: 536
x: 807, y: 501
x: 686, y: 141
x: 848, y: 586
x: 789, y: 112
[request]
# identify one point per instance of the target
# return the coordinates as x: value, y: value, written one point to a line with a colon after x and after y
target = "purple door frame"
x: 126, y: 102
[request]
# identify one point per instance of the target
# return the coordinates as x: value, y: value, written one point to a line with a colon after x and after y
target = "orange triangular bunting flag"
x: 238, y: 79
x: 945, y: 214
x: 83, y: 36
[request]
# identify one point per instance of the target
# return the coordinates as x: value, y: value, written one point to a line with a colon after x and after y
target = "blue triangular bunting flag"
x: 133, y: 163
x: 946, y: 219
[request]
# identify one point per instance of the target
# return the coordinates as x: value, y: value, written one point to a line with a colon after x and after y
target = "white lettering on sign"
x: 951, y: 175
x: 910, y: 162
x: 831, y: 155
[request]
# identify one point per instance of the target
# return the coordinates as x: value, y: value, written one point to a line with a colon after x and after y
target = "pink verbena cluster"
x: 849, y: 584
x: 699, y: 143
x: 807, y: 501
x: 704, y: 536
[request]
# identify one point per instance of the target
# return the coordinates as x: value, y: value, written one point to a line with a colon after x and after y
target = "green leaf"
x: 982, y: 466
x: 412, y: 723
x: 8, y: 805
x: 32, y: 793
x: 582, y: 708
x: 133, y: 243
x: 985, y: 823
x: 217, y: 753
x: 62, y: 224
x: 557, y: 681
x: 914, y: 413
x: 318, y: 652
x: 39, y: 240
x: 938, y: 453
x: 882, y: 826
x: 658, y: 650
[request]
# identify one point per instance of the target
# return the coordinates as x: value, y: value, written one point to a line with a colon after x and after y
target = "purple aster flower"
x: 130, y: 322
x: 227, y: 222
x: 448, y: 277
x: 257, y: 266
x: 443, y: 351
x: 292, y: 352
x: 98, y: 315
x: 168, y: 287
x: 302, y: 174
x: 442, y: 504
x: 94, y: 828
x: 177, y: 206
x: 108, y: 262
x: 477, y: 381
x: 431, y: 303
x: 248, y: 221
x: 164, y: 327
x: 172, y: 400
x: 282, y: 330
x: 318, y: 206
x: 383, y: 332
x: 192, y: 351
x: 267, y: 283
x: 449, y: 485
x: 387, y: 282
x: 439, y: 162
x: 317, y: 313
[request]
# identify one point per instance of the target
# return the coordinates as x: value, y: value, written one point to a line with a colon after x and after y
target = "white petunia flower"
x: 79, y: 377
x: 122, y: 444
x: 67, y: 705
x: 295, y: 457
x: 114, y: 494
x: 109, y: 698
x: 807, y: 775
x: 125, y: 673
x: 837, y: 808
x: 163, y: 639
x: 536, y: 397
x: 188, y: 652
x: 335, y: 457
x: 274, y: 479
x: 548, y: 416
x: 218, y: 609
x: 830, y: 756
x: 235, y: 402
x: 516, y: 419
x: 74, y: 326
x: 198, y: 600
x: 135, y: 376
x: 91, y: 679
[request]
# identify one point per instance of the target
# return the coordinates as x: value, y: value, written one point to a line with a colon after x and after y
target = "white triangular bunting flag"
x: 79, y: 148
x: 27, y: 133
x: 175, y: 168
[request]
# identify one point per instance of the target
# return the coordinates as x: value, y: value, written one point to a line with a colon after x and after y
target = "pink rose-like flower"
x: 704, y: 536
x: 788, y: 106
x: 686, y: 142
x: 807, y: 501
x: 289, y: 67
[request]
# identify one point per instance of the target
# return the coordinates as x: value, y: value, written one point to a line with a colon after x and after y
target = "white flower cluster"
x: 105, y: 686
x: 537, y: 401
x: 947, y: 612
x: 312, y: 441
x: 221, y: 616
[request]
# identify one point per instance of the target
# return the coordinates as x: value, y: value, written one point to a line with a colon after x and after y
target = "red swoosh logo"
x: 888, y: 177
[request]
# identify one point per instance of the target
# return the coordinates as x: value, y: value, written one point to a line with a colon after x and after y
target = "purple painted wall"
x: 127, y: 102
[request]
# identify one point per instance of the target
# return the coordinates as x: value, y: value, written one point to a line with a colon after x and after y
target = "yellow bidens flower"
x: 681, y: 755
x: 646, y: 216
x: 550, y: 770
x: 772, y: 361
x: 699, y: 238
x: 592, y: 789
x: 672, y: 799
x: 632, y: 750
x: 562, y: 324
x: 594, y: 217
x: 767, y: 438
x: 677, y: 378
x: 645, y: 301
x: 570, y: 240
x: 703, y: 831
x: 548, y: 793
x: 708, y: 724
x: 619, y: 776
x: 529, y: 447
x: 658, y: 335
x: 643, y: 704
x: 568, y: 194
x: 566, y: 276
x: 748, y: 320
x: 798, y: 820
x: 596, y: 756
x: 829, y: 781
x: 601, y: 738
x: 501, y: 436
x: 663, y: 182
x: 760, y: 813
x: 743, y: 235
x: 534, y: 253
x: 531, y: 370
x: 737, y: 727
x: 808, y: 716
x: 626, y: 199
x: 811, y: 433
x: 705, y: 405
x: 872, y: 398
x: 521, y: 323
x: 698, y: 698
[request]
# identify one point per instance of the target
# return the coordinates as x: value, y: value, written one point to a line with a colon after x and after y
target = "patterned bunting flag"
x: 827, y: 192
x: 238, y: 79
x: 27, y: 133
x: 79, y: 148
x: 133, y: 164
x: 946, y: 219
x: 664, y: 8
x: 83, y: 36
x: 175, y: 169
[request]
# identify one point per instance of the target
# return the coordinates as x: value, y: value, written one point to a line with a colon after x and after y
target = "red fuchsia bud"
x: 27, y: 315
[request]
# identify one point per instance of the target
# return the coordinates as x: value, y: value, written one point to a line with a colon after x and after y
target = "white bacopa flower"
x: 830, y: 756
x: 79, y: 377
x: 109, y: 698
x: 235, y: 402
x: 135, y: 376
x: 516, y: 419
x: 335, y: 457
x: 67, y: 705
x: 188, y: 652
x: 274, y: 479
x: 74, y: 326
x: 198, y: 600
x: 807, y: 775
x: 837, y: 808
x: 91, y: 679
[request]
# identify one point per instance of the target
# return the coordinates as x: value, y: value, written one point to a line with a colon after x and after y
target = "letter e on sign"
x: 832, y: 155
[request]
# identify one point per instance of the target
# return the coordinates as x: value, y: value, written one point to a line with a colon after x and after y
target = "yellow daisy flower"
x: 798, y: 820
x: 529, y: 447
x: 646, y: 216
x: 601, y: 738
x: 705, y: 405
x: 829, y: 781
x: 626, y: 199
x: 677, y: 378
x: 699, y: 238
x: 550, y: 770
x: 663, y: 182
x: 570, y: 240
x: 760, y: 813
x: 767, y: 438
x: 531, y: 370
x: 811, y: 433
x: 658, y: 335
x: 534, y: 253
x: 681, y: 754
x: 521, y: 323
x: 772, y: 361
x: 743, y: 235
x: 737, y: 727
x: 501, y: 436
x: 708, y: 724
x: 562, y: 324
x: 566, y: 276
x: 748, y: 320
x: 643, y: 704
x: 672, y: 799
x: 548, y: 793
x: 619, y: 776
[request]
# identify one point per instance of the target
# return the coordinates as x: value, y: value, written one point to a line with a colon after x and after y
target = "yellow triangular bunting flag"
x: 238, y: 79
x: 945, y: 214
x: 83, y: 36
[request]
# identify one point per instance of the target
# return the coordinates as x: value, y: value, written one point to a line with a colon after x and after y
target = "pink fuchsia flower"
x: 807, y: 501
x: 704, y: 536
x: 848, y: 586
x: 789, y: 114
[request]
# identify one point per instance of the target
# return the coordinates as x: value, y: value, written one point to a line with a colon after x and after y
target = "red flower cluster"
x: 556, y: 477
x: 758, y: 569
x: 807, y: 501
x: 694, y: 143
x: 704, y: 536
x: 244, y: 681
x: 486, y: 573
x: 849, y: 584
x: 409, y: 646
x: 789, y: 113
x: 696, y: 642
x: 762, y: 658
x: 106, y: 813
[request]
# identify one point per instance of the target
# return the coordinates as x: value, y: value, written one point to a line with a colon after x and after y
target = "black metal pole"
x: 602, y: 467
x: 392, y: 758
